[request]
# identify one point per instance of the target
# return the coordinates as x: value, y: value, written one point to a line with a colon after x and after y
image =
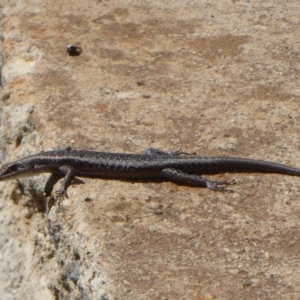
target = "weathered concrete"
x: 212, y: 77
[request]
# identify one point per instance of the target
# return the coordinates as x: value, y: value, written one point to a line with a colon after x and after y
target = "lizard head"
x: 16, y: 169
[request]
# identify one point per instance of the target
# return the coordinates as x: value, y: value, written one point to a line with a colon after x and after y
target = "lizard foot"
x: 220, y: 185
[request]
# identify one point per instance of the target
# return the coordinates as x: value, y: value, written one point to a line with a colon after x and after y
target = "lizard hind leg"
x: 197, y: 180
x: 155, y: 151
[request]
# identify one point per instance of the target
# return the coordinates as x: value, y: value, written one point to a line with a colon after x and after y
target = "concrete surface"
x: 212, y: 77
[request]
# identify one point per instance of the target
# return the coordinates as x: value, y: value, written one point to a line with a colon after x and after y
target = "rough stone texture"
x: 214, y: 77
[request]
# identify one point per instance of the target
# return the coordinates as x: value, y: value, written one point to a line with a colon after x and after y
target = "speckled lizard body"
x: 151, y: 165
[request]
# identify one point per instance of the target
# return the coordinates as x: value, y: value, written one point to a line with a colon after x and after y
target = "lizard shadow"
x: 54, y: 178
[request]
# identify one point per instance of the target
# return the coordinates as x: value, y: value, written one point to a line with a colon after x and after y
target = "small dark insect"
x: 73, y: 50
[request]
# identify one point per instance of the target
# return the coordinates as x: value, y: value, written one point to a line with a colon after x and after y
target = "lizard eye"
x: 13, y: 168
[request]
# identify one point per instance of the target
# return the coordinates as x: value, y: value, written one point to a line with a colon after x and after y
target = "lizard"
x: 153, y: 164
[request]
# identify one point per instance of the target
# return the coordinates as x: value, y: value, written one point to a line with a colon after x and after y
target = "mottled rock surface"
x: 212, y: 77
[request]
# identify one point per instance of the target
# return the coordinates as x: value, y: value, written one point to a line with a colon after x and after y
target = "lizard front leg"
x: 69, y: 174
